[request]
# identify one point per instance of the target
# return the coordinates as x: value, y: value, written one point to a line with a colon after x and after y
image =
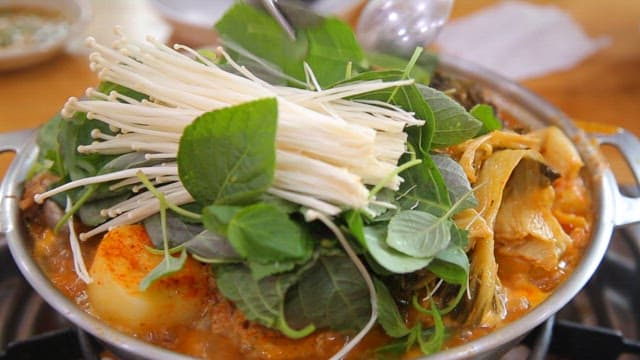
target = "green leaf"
x: 284, y: 205
x: 259, y: 300
x: 260, y: 270
x: 178, y: 231
x: 261, y: 233
x: 216, y: 218
x: 212, y: 247
x: 456, y: 181
x: 227, y: 156
x: 128, y: 161
x: 388, y: 257
x: 264, y: 233
x: 356, y: 226
x: 169, y: 265
x: 73, y: 133
x: 49, y: 146
x: 407, y: 97
x: 421, y: 72
x: 418, y: 233
x: 435, y: 337
x: 434, y: 343
x: 487, y: 117
x: 332, y: 45
x: 90, y: 213
x: 257, y: 32
x: 107, y: 87
x: 383, y: 213
x: 424, y: 188
x: 388, y: 314
x: 327, y: 45
x: 121, y: 162
x: 202, y: 243
x: 451, y: 265
x: 73, y: 165
x: 453, y: 124
x: 332, y: 294
x: 102, y: 196
x: 459, y: 237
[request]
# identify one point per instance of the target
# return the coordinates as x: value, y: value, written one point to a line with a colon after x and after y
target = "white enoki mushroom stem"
x: 118, y: 175
x: 78, y: 261
x: 328, y: 147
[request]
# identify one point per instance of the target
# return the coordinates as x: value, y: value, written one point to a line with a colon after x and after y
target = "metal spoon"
x: 272, y: 8
x: 290, y: 14
x: 399, y: 26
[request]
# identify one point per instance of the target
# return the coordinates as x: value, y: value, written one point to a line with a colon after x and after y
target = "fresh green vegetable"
x: 76, y: 132
x: 456, y: 181
x: 435, y: 341
x: 453, y: 124
x: 260, y: 300
x: 389, y: 315
x: 262, y: 234
x: 388, y: 257
x: 169, y: 264
x: 106, y: 87
x: 245, y: 134
x: 328, y: 47
x: 417, y: 233
x: 212, y: 248
x: 356, y: 226
x: 408, y: 98
x: 486, y: 115
x: 424, y: 188
x: 49, y: 148
x: 249, y: 228
x: 179, y: 232
x: 331, y: 294
x: 246, y: 27
x: 425, y: 65
x: 331, y: 47
x: 216, y: 218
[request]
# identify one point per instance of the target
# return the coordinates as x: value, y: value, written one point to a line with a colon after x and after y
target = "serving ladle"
x: 387, y: 26
x: 399, y: 26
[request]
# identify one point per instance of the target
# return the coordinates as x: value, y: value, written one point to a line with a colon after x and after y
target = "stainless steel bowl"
x: 610, y: 207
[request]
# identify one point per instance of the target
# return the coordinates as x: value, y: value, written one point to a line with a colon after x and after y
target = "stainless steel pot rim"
x: 15, y: 235
x: 605, y: 193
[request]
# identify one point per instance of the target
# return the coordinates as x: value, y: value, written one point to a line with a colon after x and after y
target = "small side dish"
x: 25, y: 27
x: 34, y: 31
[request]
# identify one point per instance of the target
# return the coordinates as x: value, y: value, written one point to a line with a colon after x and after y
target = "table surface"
x: 604, y: 88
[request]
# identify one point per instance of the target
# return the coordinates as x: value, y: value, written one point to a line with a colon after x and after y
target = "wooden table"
x: 604, y: 88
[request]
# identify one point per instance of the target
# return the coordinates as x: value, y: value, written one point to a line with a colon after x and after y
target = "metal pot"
x: 611, y: 209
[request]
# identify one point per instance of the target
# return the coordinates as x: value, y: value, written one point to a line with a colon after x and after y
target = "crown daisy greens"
x: 302, y: 174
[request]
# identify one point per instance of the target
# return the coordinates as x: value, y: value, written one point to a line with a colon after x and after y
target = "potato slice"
x: 121, y: 262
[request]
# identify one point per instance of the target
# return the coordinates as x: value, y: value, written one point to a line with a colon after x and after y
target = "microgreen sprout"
x: 169, y: 265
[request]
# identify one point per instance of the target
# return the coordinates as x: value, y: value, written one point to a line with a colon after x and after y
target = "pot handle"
x: 627, y: 208
x: 10, y: 142
x: 14, y: 141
